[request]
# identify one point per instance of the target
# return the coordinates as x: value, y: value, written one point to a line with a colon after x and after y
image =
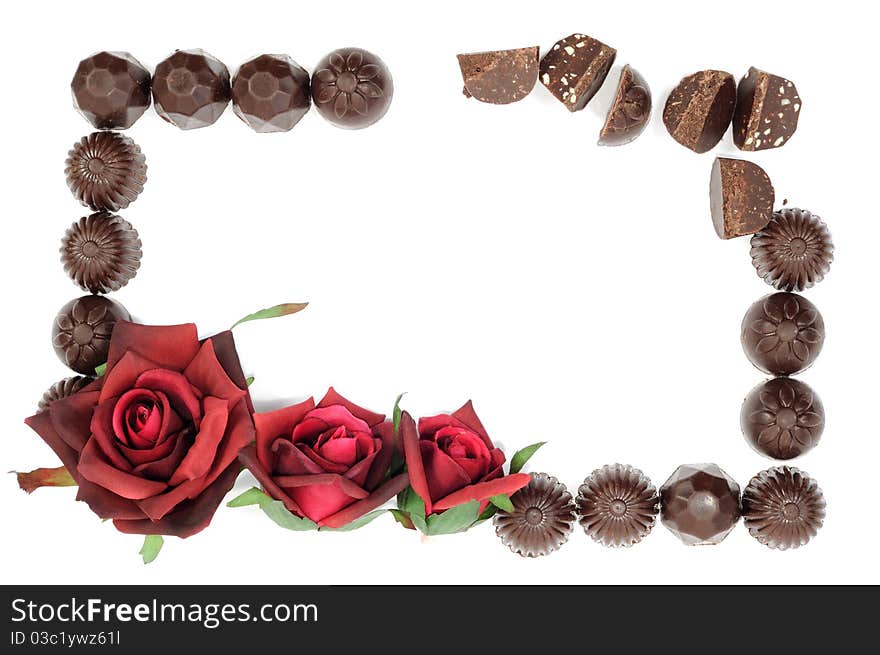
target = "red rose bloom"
x: 328, y: 462
x: 153, y: 443
x: 451, y: 460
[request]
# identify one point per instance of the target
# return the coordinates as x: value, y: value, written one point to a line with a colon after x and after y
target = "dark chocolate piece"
x: 352, y: 88
x: 767, y: 111
x: 81, y: 331
x: 574, y: 69
x: 111, y: 90
x: 741, y: 197
x: 617, y: 505
x: 63, y: 389
x: 783, y: 333
x: 191, y: 89
x: 630, y: 112
x: 271, y: 93
x: 499, y: 77
x: 793, y: 251
x: 101, y: 252
x: 542, y: 519
x: 783, y: 507
x: 105, y: 171
x: 700, y: 108
x: 699, y: 503
x: 782, y: 418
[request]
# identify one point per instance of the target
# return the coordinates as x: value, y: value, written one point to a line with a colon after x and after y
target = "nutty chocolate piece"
x: 700, y: 108
x: 499, y: 77
x: 575, y: 68
x: 741, y: 197
x: 630, y: 111
x: 767, y: 111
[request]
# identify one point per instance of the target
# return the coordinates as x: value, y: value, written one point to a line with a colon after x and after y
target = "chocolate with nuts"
x: 574, y: 69
x: 699, y: 110
x: 630, y: 111
x: 499, y: 77
x: 740, y: 197
x: 767, y: 111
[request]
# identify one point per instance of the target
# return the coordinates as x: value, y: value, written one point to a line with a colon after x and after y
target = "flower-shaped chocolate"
x: 101, y: 252
x: 782, y: 418
x: 783, y: 333
x: 794, y: 251
x: 106, y: 171
x: 63, y: 389
x: 542, y: 518
x: 81, y: 331
x: 352, y: 88
x: 783, y: 507
x: 617, y: 505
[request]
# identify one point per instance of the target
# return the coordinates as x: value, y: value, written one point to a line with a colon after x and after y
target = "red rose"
x: 328, y: 463
x: 153, y: 443
x: 451, y: 460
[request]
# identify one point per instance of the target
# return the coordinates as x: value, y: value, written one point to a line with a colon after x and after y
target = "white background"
x: 456, y: 250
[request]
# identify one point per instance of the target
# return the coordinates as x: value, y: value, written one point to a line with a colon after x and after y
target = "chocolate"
x: 105, y: 171
x: 191, y: 89
x: 699, y: 504
x: 111, y: 90
x: 542, y: 518
x: 783, y: 333
x: 767, y: 111
x: 574, y: 69
x: 741, y: 197
x: 271, y: 93
x: 81, y: 331
x: 793, y: 251
x: 101, y: 252
x: 783, y: 507
x: 630, y: 111
x: 617, y: 505
x: 782, y: 418
x: 63, y: 389
x: 499, y: 77
x: 700, y: 108
x: 352, y: 88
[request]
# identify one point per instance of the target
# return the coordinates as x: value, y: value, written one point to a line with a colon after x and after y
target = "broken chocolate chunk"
x: 575, y: 68
x: 630, y: 111
x: 741, y: 197
x: 499, y: 77
x: 700, y: 108
x: 767, y: 111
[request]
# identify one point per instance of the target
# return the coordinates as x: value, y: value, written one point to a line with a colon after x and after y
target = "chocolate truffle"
x: 699, y: 504
x: 191, y: 89
x: 574, y: 69
x: 793, y: 251
x: 767, y: 111
x: 700, y: 108
x: 782, y: 418
x: 352, y: 88
x: 740, y: 197
x: 271, y: 93
x: 630, y: 111
x: 542, y: 518
x: 63, y: 389
x: 105, y: 171
x: 783, y: 333
x: 499, y: 77
x: 81, y: 331
x: 111, y: 90
x: 617, y: 505
x: 783, y: 507
x: 101, y: 252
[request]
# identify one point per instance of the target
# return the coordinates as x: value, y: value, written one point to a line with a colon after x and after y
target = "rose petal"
x: 42, y: 424
x: 227, y: 355
x: 198, y: 460
x: 409, y: 436
x: 72, y: 416
x: 291, y: 460
x: 468, y: 416
x: 320, y: 496
x: 375, y: 500
x: 483, y: 490
x: 171, y: 346
x: 207, y: 375
x: 332, y: 397
x: 93, y: 466
x: 162, y: 468
x: 248, y: 457
x: 384, y: 453
x: 277, y: 424
x: 105, y: 503
x: 182, y: 396
x: 443, y: 474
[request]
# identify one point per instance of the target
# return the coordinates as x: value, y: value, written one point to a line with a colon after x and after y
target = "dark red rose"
x: 451, y: 460
x: 328, y: 463
x: 153, y: 443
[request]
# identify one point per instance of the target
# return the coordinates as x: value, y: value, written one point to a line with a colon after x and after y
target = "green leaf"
x: 285, y: 309
x: 409, y: 502
x: 100, y: 370
x: 402, y: 518
x: 253, y: 496
x: 502, y: 502
x: 276, y: 511
x: 455, y: 519
x: 396, y: 414
x: 357, y: 523
x: 43, y: 477
x: 152, y: 545
x: 249, y: 381
x: 522, y: 456
x: 488, y: 513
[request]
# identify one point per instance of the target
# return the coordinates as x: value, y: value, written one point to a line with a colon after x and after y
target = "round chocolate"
x: 630, y: 111
x: 271, y: 93
x: 782, y: 418
x: 699, y: 504
x: 794, y: 251
x: 783, y: 333
x: 63, y: 389
x: 617, y: 505
x: 783, y: 507
x: 542, y: 518
x: 101, y: 252
x: 111, y: 90
x: 81, y: 331
x: 191, y: 89
x: 105, y: 171
x: 352, y: 88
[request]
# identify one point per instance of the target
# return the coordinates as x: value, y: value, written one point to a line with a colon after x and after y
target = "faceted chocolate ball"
x: 101, y: 252
x: 783, y: 507
x: 63, y: 389
x: 352, y: 88
x: 542, y: 518
x: 782, y: 418
x: 271, y: 93
x: 111, y: 90
x: 81, y: 331
x: 105, y: 171
x: 783, y: 333
x: 699, y: 504
x: 794, y: 251
x: 191, y: 89
x: 617, y: 505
